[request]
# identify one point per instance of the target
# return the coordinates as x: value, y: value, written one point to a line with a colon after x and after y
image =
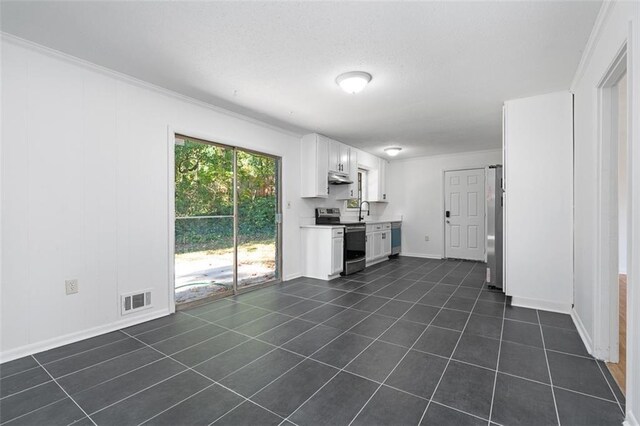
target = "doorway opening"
x: 614, y: 171
x: 464, y: 216
x: 618, y: 359
x: 227, y: 224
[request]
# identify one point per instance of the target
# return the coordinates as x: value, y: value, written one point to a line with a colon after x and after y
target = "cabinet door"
x: 377, y: 245
x: 334, y: 156
x: 386, y: 243
x: 369, y: 247
x: 382, y: 180
x: 345, y: 160
x: 347, y: 192
x: 336, y: 255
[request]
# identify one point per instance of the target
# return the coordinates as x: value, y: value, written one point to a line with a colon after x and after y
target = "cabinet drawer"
x: 387, y: 225
x: 338, y: 233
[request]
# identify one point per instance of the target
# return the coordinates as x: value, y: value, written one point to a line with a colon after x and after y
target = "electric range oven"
x: 354, y: 246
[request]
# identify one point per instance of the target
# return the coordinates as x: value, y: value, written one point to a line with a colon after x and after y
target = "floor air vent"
x: 135, y: 302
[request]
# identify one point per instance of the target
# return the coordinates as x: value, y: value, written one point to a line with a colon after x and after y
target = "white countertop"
x: 352, y: 220
x: 373, y: 222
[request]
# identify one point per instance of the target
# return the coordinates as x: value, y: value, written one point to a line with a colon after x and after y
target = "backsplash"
x: 307, y: 216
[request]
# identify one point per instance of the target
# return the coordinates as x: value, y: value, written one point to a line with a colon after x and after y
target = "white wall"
x: 539, y: 201
x: 609, y: 35
x: 85, y: 193
x: 415, y: 191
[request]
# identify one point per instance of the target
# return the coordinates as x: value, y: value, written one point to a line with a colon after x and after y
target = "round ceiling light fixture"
x: 353, y: 82
x: 392, y: 151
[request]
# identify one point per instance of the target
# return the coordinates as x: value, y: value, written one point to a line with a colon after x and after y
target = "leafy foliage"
x: 204, y: 187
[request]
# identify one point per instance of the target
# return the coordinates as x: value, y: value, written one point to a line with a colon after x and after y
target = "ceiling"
x: 441, y: 70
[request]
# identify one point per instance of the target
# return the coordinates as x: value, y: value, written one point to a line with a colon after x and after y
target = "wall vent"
x: 134, y: 302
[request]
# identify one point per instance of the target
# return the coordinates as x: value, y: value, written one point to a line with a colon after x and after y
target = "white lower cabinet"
x: 336, y: 255
x: 322, y: 251
x: 378, y: 242
x: 369, y: 247
x: 377, y: 245
x: 386, y: 243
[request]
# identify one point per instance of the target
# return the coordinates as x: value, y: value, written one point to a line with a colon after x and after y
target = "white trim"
x: 55, y: 342
x: 605, y: 303
x: 171, y: 225
x: 631, y: 419
x: 422, y: 255
x: 582, y: 331
x: 594, y: 37
x: 544, y: 305
x: 143, y: 84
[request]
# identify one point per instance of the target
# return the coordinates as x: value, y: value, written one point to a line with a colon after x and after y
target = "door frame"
x: 172, y: 132
x: 606, y: 300
x: 444, y: 202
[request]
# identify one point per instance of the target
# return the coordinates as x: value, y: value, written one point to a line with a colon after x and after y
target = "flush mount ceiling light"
x: 392, y: 151
x: 354, y: 81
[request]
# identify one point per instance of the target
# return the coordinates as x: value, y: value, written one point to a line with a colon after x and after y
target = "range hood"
x: 336, y: 179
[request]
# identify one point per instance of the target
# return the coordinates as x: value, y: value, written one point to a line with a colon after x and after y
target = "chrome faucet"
x: 360, y: 217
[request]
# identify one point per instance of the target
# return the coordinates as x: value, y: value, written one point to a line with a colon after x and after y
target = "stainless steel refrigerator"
x: 494, y: 227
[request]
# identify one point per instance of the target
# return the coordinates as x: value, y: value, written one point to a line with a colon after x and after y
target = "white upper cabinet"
x: 378, y: 183
x: 314, y: 150
x: 339, y: 158
x: 320, y: 156
x: 347, y: 192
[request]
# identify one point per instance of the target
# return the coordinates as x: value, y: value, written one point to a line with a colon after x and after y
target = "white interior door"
x: 464, y: 214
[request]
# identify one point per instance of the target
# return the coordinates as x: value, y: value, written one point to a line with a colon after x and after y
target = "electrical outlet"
x: 71, y: 286
x: 426, y: 238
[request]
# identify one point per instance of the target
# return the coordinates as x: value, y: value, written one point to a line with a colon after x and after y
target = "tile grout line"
x: 192, y: 370
x: 317, y: 350
x: 449, y: 362
x: 249, y: 337
x: 495, y: 379
x: 342, y: 369
x: 408, y: 351
x: 65, y: 392
x: 546, y: 357
x: 208, y: 323
x: 275, y: 347
x: 610, y: 387
x: 34, y: 410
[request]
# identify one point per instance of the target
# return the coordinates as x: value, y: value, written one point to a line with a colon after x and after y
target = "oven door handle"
x: 352, y: 230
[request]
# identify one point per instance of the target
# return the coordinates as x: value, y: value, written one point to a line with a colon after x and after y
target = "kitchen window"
x: 354, y: 203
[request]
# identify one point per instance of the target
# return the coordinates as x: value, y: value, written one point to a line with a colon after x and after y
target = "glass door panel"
x: 204, y: 225
x: 258, y: 206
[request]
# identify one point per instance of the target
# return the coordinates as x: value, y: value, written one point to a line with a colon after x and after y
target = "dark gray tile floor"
x: 410, y: 341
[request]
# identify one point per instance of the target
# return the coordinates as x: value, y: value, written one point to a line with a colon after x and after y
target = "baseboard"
x: 631, y: 419
x: 45, y: 345
x: 292, y: 276
x: 422, y: 255
x: 582, y: 331
x: 543, y: 305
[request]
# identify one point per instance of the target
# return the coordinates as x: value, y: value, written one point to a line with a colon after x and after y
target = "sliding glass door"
x: 258, y: 196
x: 227, y: 211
